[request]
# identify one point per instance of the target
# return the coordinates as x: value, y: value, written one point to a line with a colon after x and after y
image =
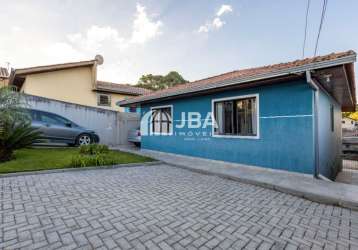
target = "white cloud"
x: 62, y: 52
x: 224, y: 9
x: 36, y: 43
x: 109, y: 42
x: 204, y: 28
x: 144, y: 29
x: 217, y: 22
x: 15, y: 29
x: 96, y: 37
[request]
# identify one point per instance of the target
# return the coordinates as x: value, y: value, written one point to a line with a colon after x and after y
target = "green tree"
x: 12, y: 106
x: 15, y: 126
x: 158, y: 82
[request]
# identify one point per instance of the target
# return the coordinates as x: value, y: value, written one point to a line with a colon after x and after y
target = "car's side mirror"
x: 68, y: 124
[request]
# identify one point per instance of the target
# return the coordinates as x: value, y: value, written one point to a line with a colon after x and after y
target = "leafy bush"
x: 85, y: 160
x: 15, y: 136
x: 94, y: 149
x: 93, y: 155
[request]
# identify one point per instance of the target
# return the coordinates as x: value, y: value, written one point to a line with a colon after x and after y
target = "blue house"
x: 285, y: 116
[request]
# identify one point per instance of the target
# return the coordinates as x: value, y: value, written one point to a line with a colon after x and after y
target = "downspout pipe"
x: 315, y: 88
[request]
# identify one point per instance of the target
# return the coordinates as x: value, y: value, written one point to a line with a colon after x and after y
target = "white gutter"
x: 257, y: 77
x: 315, y: 88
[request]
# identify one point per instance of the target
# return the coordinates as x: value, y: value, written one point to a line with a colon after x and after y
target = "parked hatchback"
x: 58, y: 129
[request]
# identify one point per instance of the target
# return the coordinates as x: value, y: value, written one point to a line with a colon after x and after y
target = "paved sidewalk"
x: 301, y: 185
x: 163, y: 207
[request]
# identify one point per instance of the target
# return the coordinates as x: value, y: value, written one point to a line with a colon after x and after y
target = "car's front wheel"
x: 84, y: 139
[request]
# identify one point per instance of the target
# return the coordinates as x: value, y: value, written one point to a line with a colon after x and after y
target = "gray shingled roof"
x: 121, y: 88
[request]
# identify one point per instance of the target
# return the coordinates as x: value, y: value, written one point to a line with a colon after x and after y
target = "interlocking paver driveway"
x: 162, y: 207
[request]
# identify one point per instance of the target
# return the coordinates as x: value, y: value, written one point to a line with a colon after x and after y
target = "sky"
x: 198, y: 38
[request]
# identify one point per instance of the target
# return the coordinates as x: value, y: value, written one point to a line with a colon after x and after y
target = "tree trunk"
x: 5, y: 155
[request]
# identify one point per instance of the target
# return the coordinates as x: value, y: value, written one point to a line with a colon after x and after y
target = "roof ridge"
x: 56, y: 65
x: 249, y: 74
x: 122, y: 84
x: 277, y: 64
x: 107, y: 82
x: 120, y: 87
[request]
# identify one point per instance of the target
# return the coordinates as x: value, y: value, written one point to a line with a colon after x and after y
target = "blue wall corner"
x: 329, y: 141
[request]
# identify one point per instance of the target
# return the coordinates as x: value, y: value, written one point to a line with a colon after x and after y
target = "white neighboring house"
x: 349, y: 124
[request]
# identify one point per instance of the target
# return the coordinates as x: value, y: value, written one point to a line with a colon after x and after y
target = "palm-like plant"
x: 15, y: 136
x: 15, y: 129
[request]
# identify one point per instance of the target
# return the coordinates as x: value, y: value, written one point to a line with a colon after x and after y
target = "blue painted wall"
x: 286, y: 130
x: 330, y: 143
x: 127, y: 110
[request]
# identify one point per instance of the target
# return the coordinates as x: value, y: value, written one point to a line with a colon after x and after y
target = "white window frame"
x: 151, y: 120
x: 99, y: 100
x: 257, y: 96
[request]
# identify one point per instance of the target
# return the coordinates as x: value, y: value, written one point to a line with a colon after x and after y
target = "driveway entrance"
x: 163, y: 207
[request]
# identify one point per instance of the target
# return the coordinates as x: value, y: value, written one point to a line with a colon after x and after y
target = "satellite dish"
x: 99, y: 59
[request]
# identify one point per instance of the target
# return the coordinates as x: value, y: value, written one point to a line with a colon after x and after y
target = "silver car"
x: 58, y: 129
x: 134, y: 136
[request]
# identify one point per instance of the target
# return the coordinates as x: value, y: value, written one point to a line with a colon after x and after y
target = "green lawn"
x: 55, y: 158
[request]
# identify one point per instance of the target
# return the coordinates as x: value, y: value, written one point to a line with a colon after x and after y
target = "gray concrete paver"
x: 162, y: 207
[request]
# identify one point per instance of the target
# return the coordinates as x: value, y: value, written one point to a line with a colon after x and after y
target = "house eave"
x: 116, y: 91
x: 246, y: 85
x: 54, y: 67
x: 18, y: 76
x: 279, y: 73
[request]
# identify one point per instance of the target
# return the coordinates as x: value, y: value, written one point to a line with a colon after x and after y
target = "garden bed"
x: 34, y: 159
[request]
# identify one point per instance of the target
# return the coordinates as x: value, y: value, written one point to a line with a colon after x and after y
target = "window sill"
x: 164, y: 134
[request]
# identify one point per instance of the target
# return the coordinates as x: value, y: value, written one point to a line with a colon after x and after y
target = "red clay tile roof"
x: 4, y: 73
x: 121, y: 88
x: 245, y: 75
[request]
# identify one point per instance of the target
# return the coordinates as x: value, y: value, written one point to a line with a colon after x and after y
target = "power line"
x: 306, y: 25
x: 321, y: 24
